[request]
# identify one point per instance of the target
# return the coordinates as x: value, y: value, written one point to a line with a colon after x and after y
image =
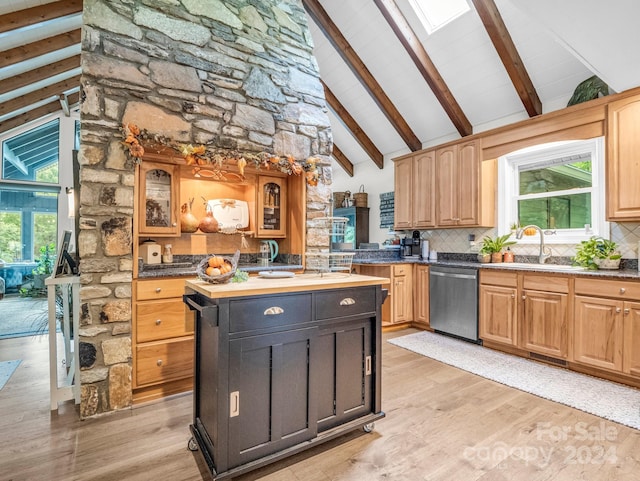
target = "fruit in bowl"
x: 217, y: 269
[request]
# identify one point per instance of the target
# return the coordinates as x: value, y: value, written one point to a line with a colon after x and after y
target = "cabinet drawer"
x: 546, y: 283
x: 608, y: 288
x: 506, y: 279
x: 162, y: 319
x: 164, y: 361
x: 159, y: 289
x: 269, y: 311
x: 401, y: 270
x: 345, y: 302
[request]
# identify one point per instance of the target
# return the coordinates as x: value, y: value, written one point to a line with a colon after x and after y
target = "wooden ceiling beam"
x: 503, y: 43
x: 357, y: 66
x: 427, y: 69
x: 39, y: 95
x: 363, y: 139
x: 41, y: 47
x: 342, y: 159
x: 35, y: 75
x: 41, y: 13
x: 37, y: 113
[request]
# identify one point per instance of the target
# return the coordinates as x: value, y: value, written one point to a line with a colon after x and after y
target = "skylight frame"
x: 421, y: 8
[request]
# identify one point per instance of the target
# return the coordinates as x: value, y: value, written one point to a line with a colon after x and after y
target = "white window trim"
x: 508, y: 185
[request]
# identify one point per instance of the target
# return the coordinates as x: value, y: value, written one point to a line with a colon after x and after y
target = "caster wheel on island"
x: 192, y: 445
x: 367, y: 428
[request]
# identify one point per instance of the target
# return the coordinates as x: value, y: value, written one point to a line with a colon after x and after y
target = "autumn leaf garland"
x: 202, y: 155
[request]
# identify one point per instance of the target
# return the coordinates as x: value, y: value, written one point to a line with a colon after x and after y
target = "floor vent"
x: 549, y: 359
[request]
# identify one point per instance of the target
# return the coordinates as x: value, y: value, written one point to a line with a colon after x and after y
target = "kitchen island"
x: 282, y: 365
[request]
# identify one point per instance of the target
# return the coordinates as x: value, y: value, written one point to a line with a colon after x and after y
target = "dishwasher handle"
x: 450, y: 274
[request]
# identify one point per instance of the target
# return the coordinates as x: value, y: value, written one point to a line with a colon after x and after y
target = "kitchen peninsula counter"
x: 283, y: 364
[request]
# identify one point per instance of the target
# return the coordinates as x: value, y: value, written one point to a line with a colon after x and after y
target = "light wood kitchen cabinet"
x: 623, y: 159
x: 158, y: 199
x: 465, y: 186
x: 526, y: 311
x: 162, y: 339
x: 498, y: 313
x: 607, y: 325
x: 272, y: 205
x: 414, y: 198
x: 398, y: 307
x: 421, y: 296
x: 543, y: 326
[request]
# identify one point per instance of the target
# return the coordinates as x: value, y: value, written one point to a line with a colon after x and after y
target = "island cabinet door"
x: 270, y: 406
x: 344, y: 369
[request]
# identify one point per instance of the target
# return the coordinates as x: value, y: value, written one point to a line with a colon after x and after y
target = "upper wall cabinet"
x: 272, y: 207
x: 158, y: 198
x: 414, y: 191
x: 623, y: 159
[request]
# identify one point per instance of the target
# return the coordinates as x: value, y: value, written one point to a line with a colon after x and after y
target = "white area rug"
x: 603, y: 398
x: 7, y: 368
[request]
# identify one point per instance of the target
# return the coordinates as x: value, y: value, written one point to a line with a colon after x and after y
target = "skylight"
x: 435, y: 14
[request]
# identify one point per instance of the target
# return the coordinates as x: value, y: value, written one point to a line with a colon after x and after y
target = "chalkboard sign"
x: 386, y: 210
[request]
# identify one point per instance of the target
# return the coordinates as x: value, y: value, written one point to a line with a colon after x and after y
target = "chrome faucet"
x: 545, y: 253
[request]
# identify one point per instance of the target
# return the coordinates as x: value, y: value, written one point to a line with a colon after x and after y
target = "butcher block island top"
x: 257, y: 286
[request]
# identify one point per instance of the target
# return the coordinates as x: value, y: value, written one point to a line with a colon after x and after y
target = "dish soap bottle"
x: 167, y: 255
x: 508, y: 256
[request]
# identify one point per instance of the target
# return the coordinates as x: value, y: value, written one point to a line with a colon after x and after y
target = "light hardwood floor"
x: 442, y: 424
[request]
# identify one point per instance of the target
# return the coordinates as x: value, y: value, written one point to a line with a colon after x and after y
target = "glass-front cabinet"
x: 272, y: 207
x: 158, y: 213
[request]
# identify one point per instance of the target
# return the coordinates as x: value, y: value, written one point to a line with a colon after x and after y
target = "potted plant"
x: 44, y: 265
x: 495, y: 245
x: 597, y: 253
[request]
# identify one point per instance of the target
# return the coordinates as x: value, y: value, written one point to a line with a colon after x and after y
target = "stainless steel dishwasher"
x: 453, y: 301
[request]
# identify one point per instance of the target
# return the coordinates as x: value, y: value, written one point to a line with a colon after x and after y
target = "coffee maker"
x: 410, y: 246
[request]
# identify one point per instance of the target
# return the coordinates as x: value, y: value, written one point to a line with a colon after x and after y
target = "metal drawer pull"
x: 622, y: 290
x: 367, y: 366
x: 626, y: 311
x: 158, y: 322
x: 347, y: 301
x: 618, y: 309
x: 273, y: 311
x: 159, y: 362
x: 158, y: 289
x: 234, y: 404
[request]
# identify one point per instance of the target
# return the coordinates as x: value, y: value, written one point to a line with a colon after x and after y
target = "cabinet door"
x: 158, y: 198
x: 421, y: 296
x: 423, y: 191
x: 272, y: 197
x: 272, y: 396
x: 598, y: 332
x: 544, y: 323
x: 631, y: 357
x: 343, y: 372
x: 446, y: 186
x: 468, y: 180
x: 623, y: 164
x: 402, y: 299
x: 403, y: 197
x: 498, y: 313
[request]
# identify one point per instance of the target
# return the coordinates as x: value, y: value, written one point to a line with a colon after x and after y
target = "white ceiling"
x: 466, y: 59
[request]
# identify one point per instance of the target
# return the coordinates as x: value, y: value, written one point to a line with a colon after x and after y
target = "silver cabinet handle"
x: 513, y: 296
x: 524, y: 296
x: 234, y: 404
x: 367, y: 364
x: 347, y: 301
x: 159, y: 362
x: 273, y: 311
x: 158, y: 289
x: 626, y: 311
x: 158, y: 322
x: 618, y: 309
x: 622, y: 290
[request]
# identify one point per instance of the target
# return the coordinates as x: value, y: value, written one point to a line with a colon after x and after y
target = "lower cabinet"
x: 421, y: 296
x: 162, y: 339
x: 526, y: 311
x: 398, y: 308
x: 276, y: 374
x: 631, y: 349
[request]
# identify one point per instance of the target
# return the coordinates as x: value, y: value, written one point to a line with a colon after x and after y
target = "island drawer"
x: 268, y: 312
x: 345, y: 302
x: 162, y: 319
x: 164, y: 361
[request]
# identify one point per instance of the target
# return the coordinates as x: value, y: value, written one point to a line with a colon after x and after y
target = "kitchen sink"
x: 536, y: 267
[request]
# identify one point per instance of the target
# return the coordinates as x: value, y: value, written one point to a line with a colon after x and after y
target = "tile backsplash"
x: 627, y: 235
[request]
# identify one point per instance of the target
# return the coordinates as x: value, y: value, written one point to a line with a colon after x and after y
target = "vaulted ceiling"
x: 390, y: 86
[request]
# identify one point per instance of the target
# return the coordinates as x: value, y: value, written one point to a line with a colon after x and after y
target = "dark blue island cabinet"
x: 282, y: 365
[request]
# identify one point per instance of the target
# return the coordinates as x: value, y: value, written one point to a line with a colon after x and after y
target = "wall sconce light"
x: 71, y: 205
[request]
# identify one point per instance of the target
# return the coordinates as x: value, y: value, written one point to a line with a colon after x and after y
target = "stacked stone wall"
x: 237, y: 74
